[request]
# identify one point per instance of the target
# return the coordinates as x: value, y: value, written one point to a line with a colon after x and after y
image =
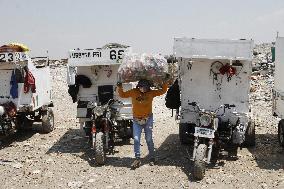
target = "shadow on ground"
x: 74, y: 142
x: 170, y: 153
x: 267, y: 153
x: 19, y: 136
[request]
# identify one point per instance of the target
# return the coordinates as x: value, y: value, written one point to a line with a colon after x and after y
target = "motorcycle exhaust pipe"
x: 195, y: 147
x: 2, y: 110
x: 210, y: 150
x: 107, y: 139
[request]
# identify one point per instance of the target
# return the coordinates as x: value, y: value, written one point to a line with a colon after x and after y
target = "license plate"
x: 204, y: 132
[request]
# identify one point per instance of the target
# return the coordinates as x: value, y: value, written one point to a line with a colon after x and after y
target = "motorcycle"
x: 105, y: 128
x: 12, y: 121
x: 211, y: 135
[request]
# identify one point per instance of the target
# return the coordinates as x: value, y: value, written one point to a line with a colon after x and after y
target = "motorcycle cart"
x: 214, y: 80
x: 92, y: 79
x: 25, y: 94
x: 278, y: 91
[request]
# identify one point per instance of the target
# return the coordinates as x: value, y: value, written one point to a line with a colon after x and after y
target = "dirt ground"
x: 63, y: 159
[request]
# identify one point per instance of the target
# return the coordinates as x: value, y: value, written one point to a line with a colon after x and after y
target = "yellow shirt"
x: 142, y: 102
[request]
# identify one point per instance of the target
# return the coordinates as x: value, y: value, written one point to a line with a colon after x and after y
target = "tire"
x: 130, y: 130
x: 281, y: 132
x: 47, y: 121
x: 183, y: 136
x: 88, y: 128
x: 28, y: 124
x: 23, y: 123
x: 233, y: 152
x: 250, y: 135
x: 125, y: 130
x: 199, y: 163
x: 100, y: 155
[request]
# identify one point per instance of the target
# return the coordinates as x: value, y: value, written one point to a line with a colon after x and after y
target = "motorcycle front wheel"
x: 199, y: 162
x: 100, y: 154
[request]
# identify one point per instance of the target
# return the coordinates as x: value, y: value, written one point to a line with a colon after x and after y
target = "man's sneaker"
x: 153, y: 161
x: 136, y: 163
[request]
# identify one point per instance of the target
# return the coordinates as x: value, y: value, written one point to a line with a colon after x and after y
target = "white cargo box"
x: 26, y: 101
x: 100, y: 66
x: 201, y: 81
x: 278, y: 92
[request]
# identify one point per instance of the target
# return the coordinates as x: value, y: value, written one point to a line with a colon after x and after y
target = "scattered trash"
x: 91, y: 180
x: 75, y: 184
x: 17, y: 165
x: 36, y: 171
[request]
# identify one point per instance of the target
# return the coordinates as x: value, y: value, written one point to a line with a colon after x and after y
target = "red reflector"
x: 94, y: 130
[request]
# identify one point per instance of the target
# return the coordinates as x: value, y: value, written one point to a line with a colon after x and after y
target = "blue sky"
x: 146, y: 25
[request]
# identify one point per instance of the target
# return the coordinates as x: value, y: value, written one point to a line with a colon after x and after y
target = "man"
x: 142, y: 98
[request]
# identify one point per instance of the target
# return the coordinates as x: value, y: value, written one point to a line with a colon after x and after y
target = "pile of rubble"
x: 262, y: 83
x: 43, y: 61
x: 262, y: 59
x: 263, y: 67
x: 57, y: 63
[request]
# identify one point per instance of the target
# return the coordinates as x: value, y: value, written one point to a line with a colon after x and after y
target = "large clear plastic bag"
x: 135, y: 67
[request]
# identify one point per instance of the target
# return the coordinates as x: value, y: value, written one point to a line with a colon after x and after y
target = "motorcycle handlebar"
x: 112, y: 101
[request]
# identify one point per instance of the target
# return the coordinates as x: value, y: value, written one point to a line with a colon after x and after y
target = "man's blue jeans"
x: 137, y: 130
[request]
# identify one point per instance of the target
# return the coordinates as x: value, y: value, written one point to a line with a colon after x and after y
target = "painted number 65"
x: 116, y: 55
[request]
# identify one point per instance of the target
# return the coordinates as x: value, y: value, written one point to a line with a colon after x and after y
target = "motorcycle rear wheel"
x: 184, y: 133
x: 199, y: 162
x: 281, y: 133
x: 47, y: 121
x: 250, y: 135
x: 100, y: 154
x: 23, y: 123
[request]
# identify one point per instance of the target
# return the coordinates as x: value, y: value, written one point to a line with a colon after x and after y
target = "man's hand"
x: 169, y: 80
x: 119, y: 84
x: 168, y: 76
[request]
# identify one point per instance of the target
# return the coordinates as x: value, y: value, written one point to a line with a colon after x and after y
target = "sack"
x: 136, y: 67
x: 173, y: 96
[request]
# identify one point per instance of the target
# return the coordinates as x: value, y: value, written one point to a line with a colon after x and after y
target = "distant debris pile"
x: 44, y: 61
x: 262, y: 59
x: 58, y: 63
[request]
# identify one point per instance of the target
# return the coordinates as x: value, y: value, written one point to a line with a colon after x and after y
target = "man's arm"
x: 160, y: 91
x: 123, y: 94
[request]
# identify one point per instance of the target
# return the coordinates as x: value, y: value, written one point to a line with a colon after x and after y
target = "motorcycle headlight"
x: 2, y: 110
x: 98, y: 111
x: 205, y: 120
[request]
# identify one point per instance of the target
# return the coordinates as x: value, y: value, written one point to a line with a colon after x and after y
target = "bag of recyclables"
x: 135, y: 67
